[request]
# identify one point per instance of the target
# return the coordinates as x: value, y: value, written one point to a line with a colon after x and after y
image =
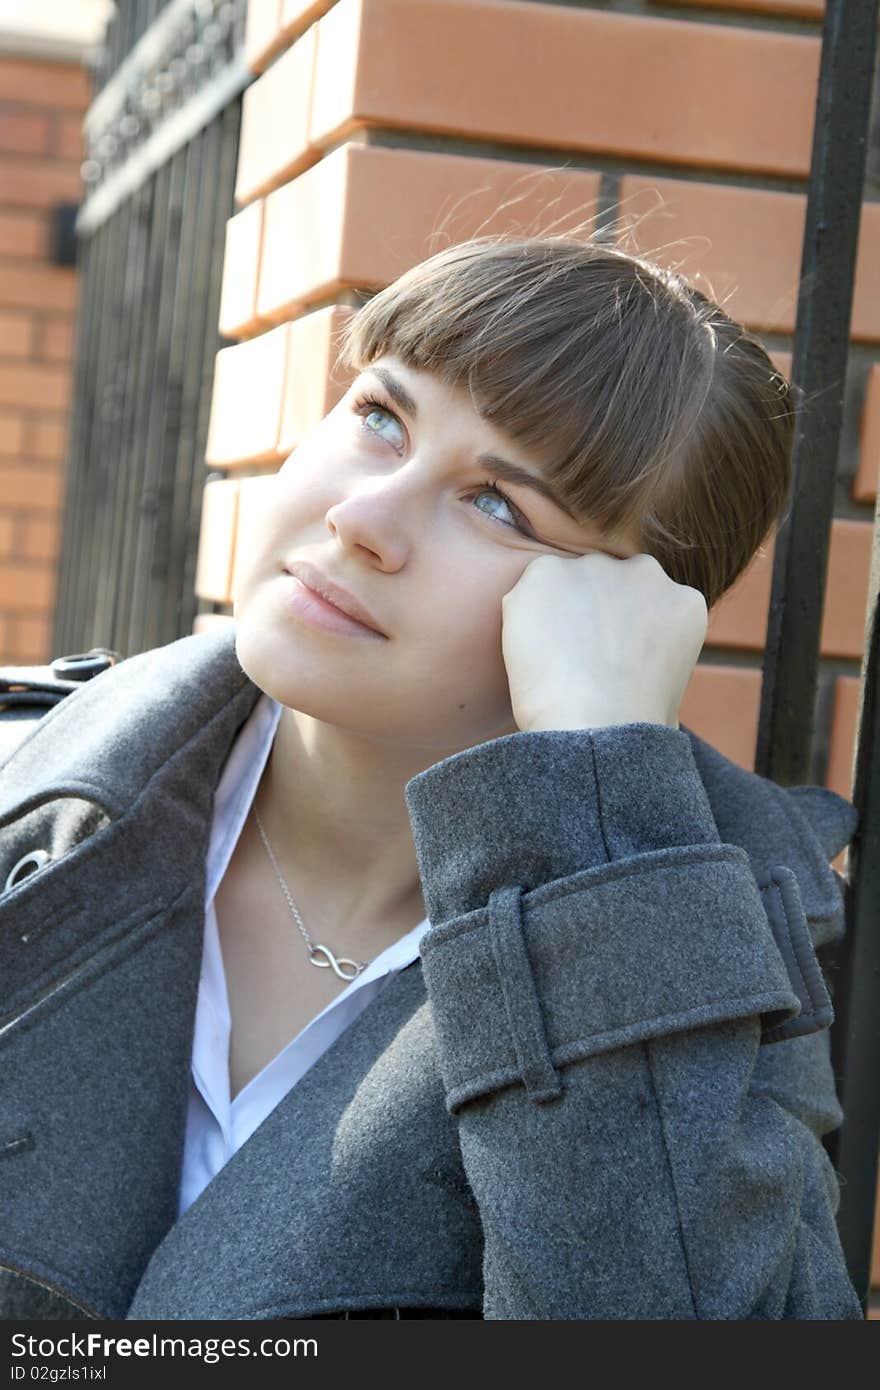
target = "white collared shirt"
x: 216, y: 1126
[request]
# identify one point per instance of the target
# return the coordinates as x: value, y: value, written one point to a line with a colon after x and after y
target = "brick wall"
x: 41, y: 109
x: 374, y: 126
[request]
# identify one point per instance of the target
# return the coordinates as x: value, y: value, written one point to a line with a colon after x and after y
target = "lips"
x: 340, y: 598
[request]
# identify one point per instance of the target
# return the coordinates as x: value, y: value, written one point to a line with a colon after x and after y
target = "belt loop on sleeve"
x: 525, y: 1020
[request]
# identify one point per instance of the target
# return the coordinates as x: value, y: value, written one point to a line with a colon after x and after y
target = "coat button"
x: 27, y: 865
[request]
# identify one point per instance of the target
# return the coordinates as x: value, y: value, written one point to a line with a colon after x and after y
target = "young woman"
x: 398, y: 953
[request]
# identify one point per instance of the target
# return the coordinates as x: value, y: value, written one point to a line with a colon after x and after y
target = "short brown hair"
x: 648, y: 405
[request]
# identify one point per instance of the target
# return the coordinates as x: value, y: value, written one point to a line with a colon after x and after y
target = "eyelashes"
x: 366, y: 403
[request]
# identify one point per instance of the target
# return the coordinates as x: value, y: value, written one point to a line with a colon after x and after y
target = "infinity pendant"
x: 336, y: 965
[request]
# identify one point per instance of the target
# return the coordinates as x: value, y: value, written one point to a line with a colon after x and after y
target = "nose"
x: 376, y: 517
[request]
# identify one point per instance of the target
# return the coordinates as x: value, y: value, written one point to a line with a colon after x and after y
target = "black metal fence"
x: 163, y: 144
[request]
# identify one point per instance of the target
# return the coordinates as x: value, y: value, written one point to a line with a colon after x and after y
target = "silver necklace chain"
x: 319, y: 955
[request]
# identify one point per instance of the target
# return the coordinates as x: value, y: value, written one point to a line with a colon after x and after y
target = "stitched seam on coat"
x: 670, y: 1169
x: 618, y: 869
x: 794, y: 956
x: 601, y: 817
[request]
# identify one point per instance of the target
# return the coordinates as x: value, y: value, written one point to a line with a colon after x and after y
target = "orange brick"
x: 26, y: 588
x: 65, y: 85
x: 55, y: 338
x: 270, y: 390
x: 37, y: 489
x: 744, y: 246
x: 31, y: 639
x: 23, y: 132
x: 296, y: 14
x: 866, y: 480
x: 37, y: 287
x: 275, y: 120
x: 69, y: 142
x: 254, y: 496
x: 41, y: 386
x: 842, y: 742
x: 246, y: 400
x: 39, y: 184
x: 739, y: 618
x: 365, y: 214
x: 208, y: 622
x: 217, y: 540
x: 263, y: 35
x: 568, y: 78
x: 16, y: 335
x: 721, y: 705
x: 402, y: 64
x: 313, y: 383
x: 39, y: 538
x: 792, y: 9
x: 22, y: 234
x: 11, y: 434
x: 46, y: 439
x: 241, y: 266
x: 7, y: 536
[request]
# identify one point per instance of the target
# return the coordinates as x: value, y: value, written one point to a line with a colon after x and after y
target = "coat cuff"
x: 581, y: 900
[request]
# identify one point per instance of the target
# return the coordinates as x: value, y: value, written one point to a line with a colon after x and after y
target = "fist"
x: 594, y: 641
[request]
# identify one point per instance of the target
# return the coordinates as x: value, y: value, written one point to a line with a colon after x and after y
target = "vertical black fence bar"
x: 148, y: 335
x: 134, y: 219
x: 788, y: 694
x: 212, y: 205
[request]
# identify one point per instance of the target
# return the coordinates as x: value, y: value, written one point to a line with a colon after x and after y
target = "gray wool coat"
x: 599, y: 1094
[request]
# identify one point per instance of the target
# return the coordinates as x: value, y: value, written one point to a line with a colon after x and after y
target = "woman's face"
x: 386, y: 497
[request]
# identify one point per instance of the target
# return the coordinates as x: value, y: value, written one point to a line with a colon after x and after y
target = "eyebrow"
x: 503, y: 468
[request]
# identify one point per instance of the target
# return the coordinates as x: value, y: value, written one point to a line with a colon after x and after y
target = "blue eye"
x: 367, y: 407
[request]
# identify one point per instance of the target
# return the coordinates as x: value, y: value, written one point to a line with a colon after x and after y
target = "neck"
x: 334, y: 811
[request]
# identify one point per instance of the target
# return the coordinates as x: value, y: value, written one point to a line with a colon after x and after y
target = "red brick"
x: 842, y: 740
x: 241, y: 267
x: 26, y: 588
x: 365, y: 214
x: 11, y: 434
x: 744, y: 246
x: 722, y: 704
x: 275, y: 120
x: 22, y: 234
x: 69, y: 142
x: 40, y: 386
x: 217, y: 540
x: 254, y: 495
x: 246, y: 400
x: 32, y: 184
x: 568, y: 78
x: 39, y: 538
x: 865, y: 482
x: 263, y: 35
x: 46, y: 439
x: 313, y: 383
x: 37, y: 287
x: 7, y: 536
x: 209, y: 622
x: 739, y: 618
x: 24, y: 486
x: 16, y: 335
x: 55, y: 338
x: 65, y: 85
x: 296, y: 14
x: 31, y: 639
x: 269, y: 391
x: 23, y: 132
x: 790, y: 9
